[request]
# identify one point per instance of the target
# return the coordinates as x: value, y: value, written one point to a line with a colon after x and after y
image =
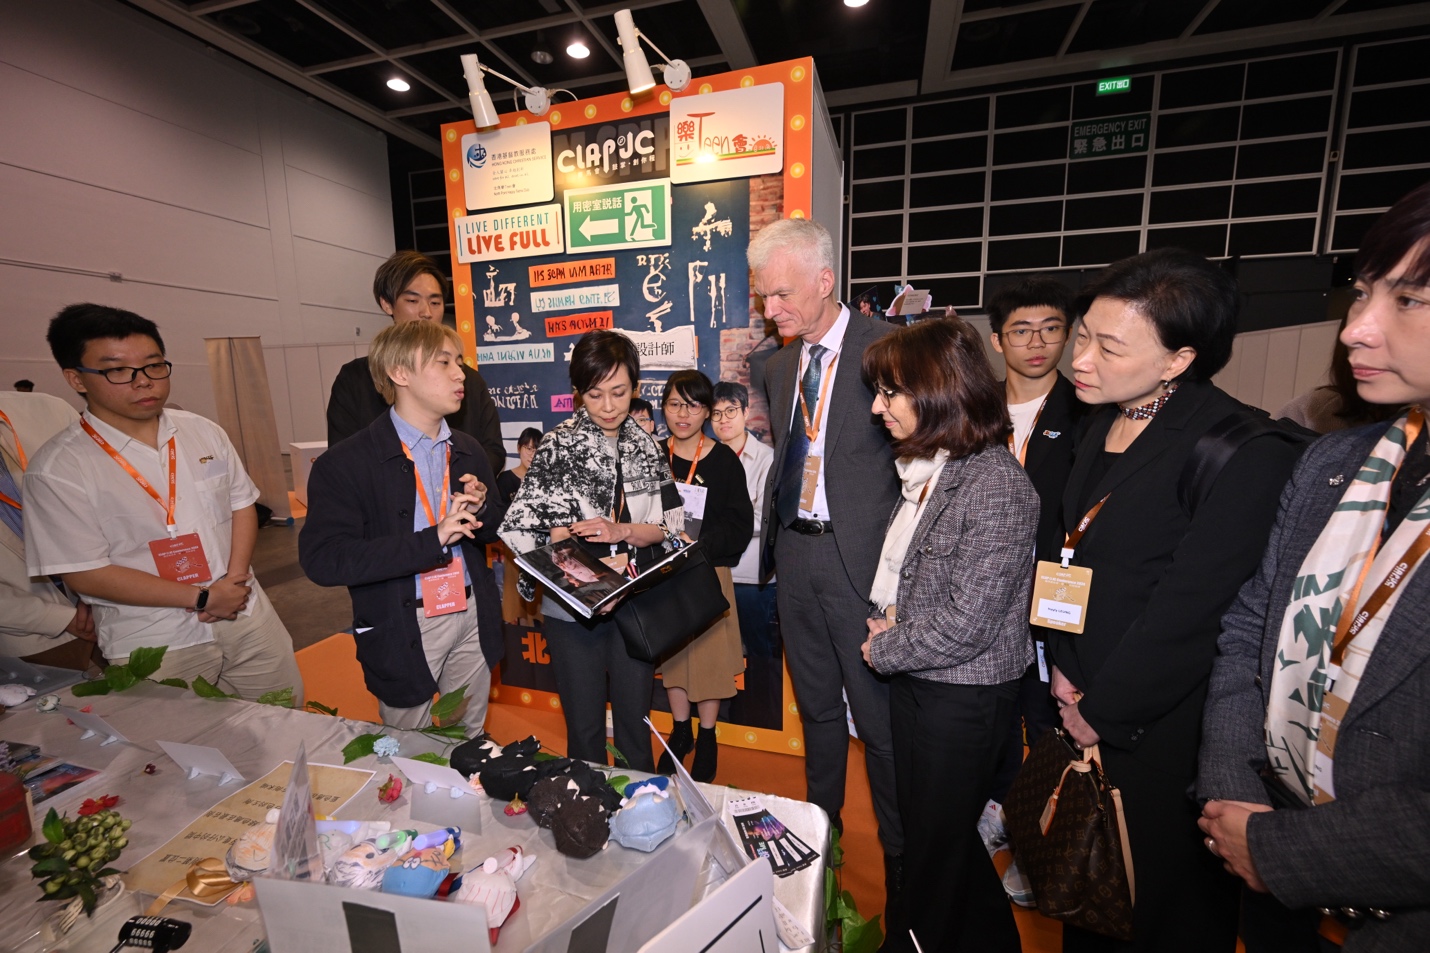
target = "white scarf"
x: 1301, y: 684
x: 918, y: 475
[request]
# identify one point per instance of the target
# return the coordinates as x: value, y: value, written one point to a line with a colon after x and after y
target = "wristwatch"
x: 203, y: 599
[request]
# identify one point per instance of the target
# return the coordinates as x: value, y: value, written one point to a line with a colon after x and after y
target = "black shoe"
x: 707, y: 754
x: 895, y: 917
x: 680, y: 742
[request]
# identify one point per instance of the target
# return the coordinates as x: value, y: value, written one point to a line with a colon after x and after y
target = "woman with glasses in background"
x: 718, y: 513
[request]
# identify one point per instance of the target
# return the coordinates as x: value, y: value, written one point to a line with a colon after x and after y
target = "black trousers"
x: 586, y: 656
x: 823, y: 622
x: 947, y: 742
x: 1036, y: 714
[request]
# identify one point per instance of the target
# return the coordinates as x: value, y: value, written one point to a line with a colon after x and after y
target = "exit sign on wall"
x: 1117, y: 84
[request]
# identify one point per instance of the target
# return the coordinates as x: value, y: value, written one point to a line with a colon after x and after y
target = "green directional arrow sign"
x: 618, y: 216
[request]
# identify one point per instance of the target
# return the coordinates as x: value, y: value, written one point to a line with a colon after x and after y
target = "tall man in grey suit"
x: 828, y: 498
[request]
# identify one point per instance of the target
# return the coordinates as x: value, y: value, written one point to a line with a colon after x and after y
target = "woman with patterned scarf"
x: 571, y: 490
x: 1315, y: 765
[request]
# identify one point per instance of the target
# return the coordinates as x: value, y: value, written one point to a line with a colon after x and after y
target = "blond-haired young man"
x: 399, y: 513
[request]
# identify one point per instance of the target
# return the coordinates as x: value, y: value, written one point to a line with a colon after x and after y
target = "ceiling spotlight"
x: 399, y: 84
x: 541, y: 52
x: 638, y: 74
x: 855, y: 3
x: 538, y: 100
x: 578, y: 50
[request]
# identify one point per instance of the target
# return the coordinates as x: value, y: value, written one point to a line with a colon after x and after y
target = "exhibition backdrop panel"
x: 620, y: 237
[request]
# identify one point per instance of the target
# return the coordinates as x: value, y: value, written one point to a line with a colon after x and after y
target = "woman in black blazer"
x: 1163, y: 572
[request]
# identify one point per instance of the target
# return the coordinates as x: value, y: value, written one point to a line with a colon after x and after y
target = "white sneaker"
x: 991, y: 829
x: 1017, y: 887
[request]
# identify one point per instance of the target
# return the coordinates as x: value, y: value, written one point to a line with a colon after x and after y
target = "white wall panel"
x: 333, y: 277
x: 80, y: 136
x: 333, y: 147
x: 1318, y: 343
x: 329, y: 212
x: 1283, y: 352
x: 134, y: 62
x: 275, y: 359
x: 307, y: 397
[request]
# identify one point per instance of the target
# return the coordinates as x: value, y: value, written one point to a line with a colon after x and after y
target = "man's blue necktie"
x: 797, y: 450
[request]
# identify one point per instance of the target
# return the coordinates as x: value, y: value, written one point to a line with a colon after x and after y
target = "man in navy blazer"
x: 828, y: 497
x: 382, y: 520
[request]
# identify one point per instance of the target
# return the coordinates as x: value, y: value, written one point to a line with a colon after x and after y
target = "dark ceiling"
x: 345, y: 51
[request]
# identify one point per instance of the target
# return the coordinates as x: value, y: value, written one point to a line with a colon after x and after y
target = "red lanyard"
x: 19, y: 452
x: 422, y: 489
x: 1022, y: 452
x: 1349, y: 625
x: 700, y: 445
x: 811, y: 424
x: 169, y: 523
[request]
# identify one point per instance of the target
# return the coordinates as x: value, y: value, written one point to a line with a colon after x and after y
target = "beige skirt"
x: 706, y: 668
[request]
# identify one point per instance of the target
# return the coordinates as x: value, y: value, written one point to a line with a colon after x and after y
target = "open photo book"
x: 585, y: 583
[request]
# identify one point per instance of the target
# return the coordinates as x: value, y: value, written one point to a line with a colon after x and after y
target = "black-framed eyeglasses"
x: 887, y: 393
x: 676, y: 408
x: 1022, y: 337
x: 125, y: 375
x: 730, y: 413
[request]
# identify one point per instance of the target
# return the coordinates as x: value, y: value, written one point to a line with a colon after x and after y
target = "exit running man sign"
x: 634, y: 215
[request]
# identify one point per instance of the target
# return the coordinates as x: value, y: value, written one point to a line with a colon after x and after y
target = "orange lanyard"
x: 700, y: 445
x: 1349, y: 625
x: 169, y: 523
x: 19, y: 452
x: 1022, y: 452
x: 422, y: 489
x: 1076, y: 535
x: 811, y: 424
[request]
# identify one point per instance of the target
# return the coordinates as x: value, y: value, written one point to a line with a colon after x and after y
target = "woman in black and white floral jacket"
x: 571, y: 490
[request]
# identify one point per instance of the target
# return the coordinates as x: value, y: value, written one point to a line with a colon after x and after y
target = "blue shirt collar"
x: 415, y: 438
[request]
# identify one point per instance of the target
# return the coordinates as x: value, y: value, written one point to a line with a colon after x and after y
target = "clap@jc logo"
x: 477, y: 155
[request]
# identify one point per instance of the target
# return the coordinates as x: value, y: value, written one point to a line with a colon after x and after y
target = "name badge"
x: 181, y: 559
x: 812, y: 466
x: 1060, y: 596
x: 443, y: 590
x: 692, y: 497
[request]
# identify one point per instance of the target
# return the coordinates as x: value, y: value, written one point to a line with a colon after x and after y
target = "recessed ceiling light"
x: 578, y: 50
x: 543, y: 57
x: 855, y: 3
x: 399, y: 84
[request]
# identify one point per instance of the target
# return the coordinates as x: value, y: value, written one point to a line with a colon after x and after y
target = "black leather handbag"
x: 681, y: 600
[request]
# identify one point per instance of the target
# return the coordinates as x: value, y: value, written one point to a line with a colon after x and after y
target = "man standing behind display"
x: 410, y: 287
x: 827, y: 498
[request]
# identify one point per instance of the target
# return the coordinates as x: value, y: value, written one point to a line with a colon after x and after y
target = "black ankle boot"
x: 707, y: 754
x: 896, y: 914
x: 680, y: 742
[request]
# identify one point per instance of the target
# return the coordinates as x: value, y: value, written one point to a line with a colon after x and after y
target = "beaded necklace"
x: 1148, y: 411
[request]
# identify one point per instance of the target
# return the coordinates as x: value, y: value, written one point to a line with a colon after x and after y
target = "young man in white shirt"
x: 399, y: 513
x: 1031, y: 322
x: 149, y: 515
x: 754, y: 595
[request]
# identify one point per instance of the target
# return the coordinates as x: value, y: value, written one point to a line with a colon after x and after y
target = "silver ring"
x: 1211, y: 845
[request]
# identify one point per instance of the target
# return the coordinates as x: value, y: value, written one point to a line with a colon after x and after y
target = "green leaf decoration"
x: 831, y: 890
x: 144, y: 662
x: 96, y: 687
x: 50, y: 865
x: 432, y: 758
x: 454, y: 732
x: 206, y: 689
x: 836, y: 851
x: 621, y: 761
x: 359, y: 747
x: 54, y: 827
x: 447, y: 705
x: 544, y: 756
x: 619, y: 782
x: 120, y: 677
x: 283, y: 698
x: 863, y: 938
x: 87, y: 897
x: 320, y: 708
x: 174, y: 683
x: 844, y: 906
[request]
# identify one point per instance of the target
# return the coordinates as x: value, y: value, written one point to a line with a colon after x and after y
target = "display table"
x: 257, y: 738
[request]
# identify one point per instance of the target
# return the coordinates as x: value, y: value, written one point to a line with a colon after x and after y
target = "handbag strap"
x: 1126, y: 845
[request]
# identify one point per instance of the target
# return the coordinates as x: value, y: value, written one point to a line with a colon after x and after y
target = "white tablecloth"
x: 256, y: 738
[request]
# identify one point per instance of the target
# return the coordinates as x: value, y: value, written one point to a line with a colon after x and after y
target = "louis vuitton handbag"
x: 1066, y: 827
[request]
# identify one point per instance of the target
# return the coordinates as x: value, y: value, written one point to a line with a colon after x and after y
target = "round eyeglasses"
x: 1022, y: 337
x: 676, y: 408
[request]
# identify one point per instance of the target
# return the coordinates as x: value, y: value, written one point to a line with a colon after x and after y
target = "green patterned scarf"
x: 1305, y: 686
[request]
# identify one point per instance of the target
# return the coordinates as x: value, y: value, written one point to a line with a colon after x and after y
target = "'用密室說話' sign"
x: 1112, y: 136
x: 618, y: 216
x: 516, y: 233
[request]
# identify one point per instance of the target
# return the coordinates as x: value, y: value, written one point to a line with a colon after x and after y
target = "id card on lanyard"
x: 444, y: 589
x: 1061, y: 591
x: 812, y: 425
x: 692, y: 497
x: 176, y: 558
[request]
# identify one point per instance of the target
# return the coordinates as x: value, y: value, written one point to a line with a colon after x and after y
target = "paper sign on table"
x: 738, y: 916
x: 201, y: 759
x: 93, y: 725
x: 304, y: 917
x: 211, y: 834
x: 433, y: 776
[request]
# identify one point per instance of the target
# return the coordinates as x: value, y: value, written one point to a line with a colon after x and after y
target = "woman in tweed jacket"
x: 951, y: 628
